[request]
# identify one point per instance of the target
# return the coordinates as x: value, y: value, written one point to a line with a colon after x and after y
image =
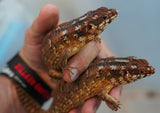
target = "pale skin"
x: 31, y: 54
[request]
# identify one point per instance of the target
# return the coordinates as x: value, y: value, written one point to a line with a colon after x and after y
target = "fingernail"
x: 73, y: 74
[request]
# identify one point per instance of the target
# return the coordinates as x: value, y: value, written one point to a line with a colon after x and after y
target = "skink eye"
x: 142, y: 72
x: 105, y: 17
x: 89, y: 27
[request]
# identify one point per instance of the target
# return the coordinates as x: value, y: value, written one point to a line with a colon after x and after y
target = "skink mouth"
x: 112, y: 14
x: 151, y: 70
x: 109, y: 12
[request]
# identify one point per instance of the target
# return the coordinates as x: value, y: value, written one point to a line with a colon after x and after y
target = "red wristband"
x: 27, y: 79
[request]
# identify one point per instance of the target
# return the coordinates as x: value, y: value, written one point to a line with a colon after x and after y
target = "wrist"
x: 27, y: 79
x: 39, y: 67
x: 9, y: 97
x: 34, y: 63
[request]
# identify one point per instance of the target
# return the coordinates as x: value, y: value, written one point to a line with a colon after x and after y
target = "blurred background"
x: 135, y: 32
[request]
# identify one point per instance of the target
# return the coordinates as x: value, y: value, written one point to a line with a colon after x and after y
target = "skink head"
x: 139, y: 68
x: 99, y: 19
x: 130, y: 68
x: 123, y: 70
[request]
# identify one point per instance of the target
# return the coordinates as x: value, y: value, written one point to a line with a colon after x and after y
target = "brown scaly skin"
x: 100, y: 77
x: 68, y: 38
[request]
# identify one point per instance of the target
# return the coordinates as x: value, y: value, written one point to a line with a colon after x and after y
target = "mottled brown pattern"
x: 68, y: 38
x: 100, y: 77
x: 97, y: 80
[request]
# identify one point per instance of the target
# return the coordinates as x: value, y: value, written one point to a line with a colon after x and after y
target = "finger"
x: 115, y: 93
x: 104, y: 52
x: 91, y: 105
x: 47, y: 19
x: 61, y: 22
x: 81, y: 60
x: 75, y: 110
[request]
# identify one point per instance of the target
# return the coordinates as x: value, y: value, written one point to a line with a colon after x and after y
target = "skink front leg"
x: 114, y: 104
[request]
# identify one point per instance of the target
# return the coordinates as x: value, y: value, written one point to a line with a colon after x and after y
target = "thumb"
x: 47, y: 19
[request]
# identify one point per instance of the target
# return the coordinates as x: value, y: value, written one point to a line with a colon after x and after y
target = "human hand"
x: 9, y: 102
x: 81, y: 61
x: 31, y: 54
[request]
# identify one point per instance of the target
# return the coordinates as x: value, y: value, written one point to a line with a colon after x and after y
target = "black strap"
x: 27, y: 79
